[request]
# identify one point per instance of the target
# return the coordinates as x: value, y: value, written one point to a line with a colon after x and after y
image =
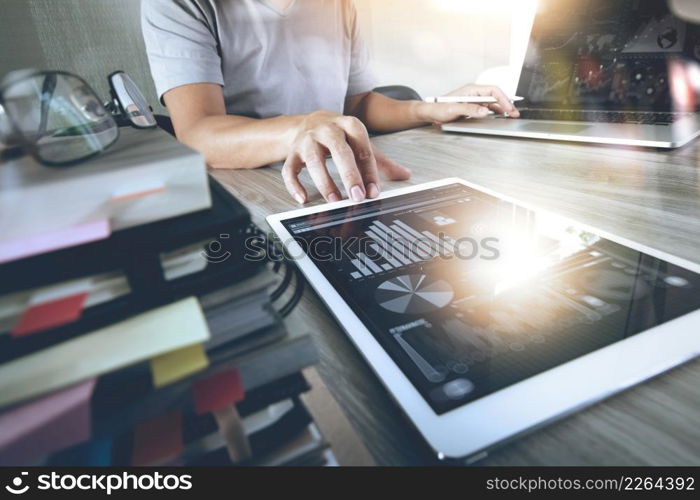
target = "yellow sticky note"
x: 134, y: 340
x: 175, y: 365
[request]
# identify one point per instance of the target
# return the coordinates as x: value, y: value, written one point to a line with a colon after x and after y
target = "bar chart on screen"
x: 396, y: 246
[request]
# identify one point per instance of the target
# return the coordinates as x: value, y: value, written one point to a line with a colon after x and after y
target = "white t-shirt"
x: 269, y: 62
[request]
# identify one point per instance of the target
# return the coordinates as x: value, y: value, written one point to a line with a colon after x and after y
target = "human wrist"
x: 299, y: 124
x: 420, y: 112
x: 295, y: 124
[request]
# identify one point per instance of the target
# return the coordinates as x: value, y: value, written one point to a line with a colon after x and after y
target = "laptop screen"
x: 611, y: 55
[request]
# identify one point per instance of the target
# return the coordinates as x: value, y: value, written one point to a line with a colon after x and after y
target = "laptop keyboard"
x: 636, y: 117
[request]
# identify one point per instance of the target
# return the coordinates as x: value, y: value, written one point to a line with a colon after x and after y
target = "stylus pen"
x: 476, y: 99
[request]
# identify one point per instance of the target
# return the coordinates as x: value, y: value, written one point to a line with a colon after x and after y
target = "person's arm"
x: 186, y: 66
x: 382, y: 114
x: 199, y: 117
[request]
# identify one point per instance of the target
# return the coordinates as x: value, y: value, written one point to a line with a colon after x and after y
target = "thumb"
x: 389, y: 168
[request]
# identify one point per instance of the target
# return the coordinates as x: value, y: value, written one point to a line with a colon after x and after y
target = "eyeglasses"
x: 59, y: 119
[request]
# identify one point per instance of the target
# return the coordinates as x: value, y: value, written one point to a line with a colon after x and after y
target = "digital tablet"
x: 485, y: 317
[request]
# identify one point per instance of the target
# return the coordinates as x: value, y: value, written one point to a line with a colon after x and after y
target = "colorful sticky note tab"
x: 136, y: 191
x: 157, y: 440
x: 176, y: 365
x: 46, y: 425
x: 217, y: 392
x: 48, y: 242
x: 51, y: 314
x: 95, y: 453
x: 128, y: 342
x: 98, y: 453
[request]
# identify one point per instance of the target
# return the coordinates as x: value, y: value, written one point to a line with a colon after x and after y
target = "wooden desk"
x: 648, y: 196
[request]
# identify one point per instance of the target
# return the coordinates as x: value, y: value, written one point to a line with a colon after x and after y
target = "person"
x: 253, y: 82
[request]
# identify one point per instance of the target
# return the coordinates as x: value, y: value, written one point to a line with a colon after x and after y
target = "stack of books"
x: 154, y: 343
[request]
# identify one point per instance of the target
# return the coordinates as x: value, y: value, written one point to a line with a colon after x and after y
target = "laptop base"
x: 624, y: 134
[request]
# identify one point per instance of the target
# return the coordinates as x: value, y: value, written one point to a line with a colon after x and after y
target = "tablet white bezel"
x: 481, y: 424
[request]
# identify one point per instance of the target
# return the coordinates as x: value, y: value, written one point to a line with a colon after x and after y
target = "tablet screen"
x: 469, y: 293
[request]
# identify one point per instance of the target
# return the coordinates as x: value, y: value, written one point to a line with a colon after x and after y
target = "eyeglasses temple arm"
x: 47, y: 92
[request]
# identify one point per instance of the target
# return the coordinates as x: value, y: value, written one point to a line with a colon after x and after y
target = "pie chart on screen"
x: 413, y: 294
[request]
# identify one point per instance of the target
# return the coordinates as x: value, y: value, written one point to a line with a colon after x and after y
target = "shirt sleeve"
x: 362, y: 78
x: 181, y: 46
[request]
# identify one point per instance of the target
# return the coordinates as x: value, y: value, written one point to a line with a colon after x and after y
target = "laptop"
x: 619, y: 72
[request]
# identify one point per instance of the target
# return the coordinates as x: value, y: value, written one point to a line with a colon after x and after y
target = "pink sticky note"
x: 56, y: 240
x: 46, y: 425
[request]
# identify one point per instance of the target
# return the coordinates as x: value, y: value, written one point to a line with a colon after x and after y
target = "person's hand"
x: 440, y: 113
x: 345, y: 139
x: 502, y: 104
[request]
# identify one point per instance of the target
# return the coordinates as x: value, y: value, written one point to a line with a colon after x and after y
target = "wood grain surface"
x: 648, y: 196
